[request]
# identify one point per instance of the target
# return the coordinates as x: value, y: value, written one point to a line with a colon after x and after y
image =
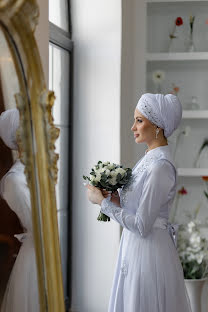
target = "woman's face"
x: 144, y: 130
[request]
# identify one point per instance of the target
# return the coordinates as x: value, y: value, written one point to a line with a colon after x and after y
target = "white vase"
x: 194, y: 289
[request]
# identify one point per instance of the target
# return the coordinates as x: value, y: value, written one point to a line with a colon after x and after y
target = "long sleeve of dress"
x: 159, y: 181
x: 17, y: 195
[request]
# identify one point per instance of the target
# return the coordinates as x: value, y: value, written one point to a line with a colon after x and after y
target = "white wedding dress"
x: 148, y: 275
x: 21, y: 293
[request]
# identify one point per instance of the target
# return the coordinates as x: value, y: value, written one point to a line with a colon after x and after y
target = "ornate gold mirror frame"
x: 36, y: 137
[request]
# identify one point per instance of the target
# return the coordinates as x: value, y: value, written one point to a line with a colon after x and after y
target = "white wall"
x: 132, y: 76
x: 96, y: 136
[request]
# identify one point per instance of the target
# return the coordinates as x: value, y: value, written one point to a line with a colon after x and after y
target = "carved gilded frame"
x: 36, y: 137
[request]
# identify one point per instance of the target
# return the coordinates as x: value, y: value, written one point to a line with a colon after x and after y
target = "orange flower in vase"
x: 175, y: 90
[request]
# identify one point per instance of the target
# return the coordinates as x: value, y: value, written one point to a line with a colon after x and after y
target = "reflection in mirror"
x: 18, y: 273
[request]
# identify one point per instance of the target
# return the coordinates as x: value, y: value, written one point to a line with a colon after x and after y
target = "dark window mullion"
x: 60, y: 37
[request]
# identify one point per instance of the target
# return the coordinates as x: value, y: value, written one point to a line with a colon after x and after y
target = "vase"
x: 194, y: 289
x: 202, y: 159
x: 190, y: 43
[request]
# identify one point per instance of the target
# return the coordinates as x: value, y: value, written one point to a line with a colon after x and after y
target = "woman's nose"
x: 133, y: 127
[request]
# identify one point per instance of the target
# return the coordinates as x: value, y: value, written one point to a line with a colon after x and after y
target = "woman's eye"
x: 139, y: 120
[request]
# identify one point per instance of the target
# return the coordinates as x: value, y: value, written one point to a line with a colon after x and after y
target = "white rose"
x: 120, y: 170
x: 106, y: 163
x: 98, y: 177
x: 113, y: 174
x: 102, y: 169
x: 110, y: 166
x: 107, y: 172
x: 113, y: 181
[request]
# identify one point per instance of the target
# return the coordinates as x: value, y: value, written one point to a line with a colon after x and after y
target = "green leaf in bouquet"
x: 123, y: 182
x: 103, y: 177
x: 103, y: 184
x: 99, y: 162
x: 94, y: 183
x: 103, y: 217
x: 119, y: 177
x: 93, y: 173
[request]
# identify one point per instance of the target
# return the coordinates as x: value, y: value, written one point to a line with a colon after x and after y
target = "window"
x: 60, y: 73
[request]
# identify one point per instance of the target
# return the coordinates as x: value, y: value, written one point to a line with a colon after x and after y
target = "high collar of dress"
x: 157, y: 149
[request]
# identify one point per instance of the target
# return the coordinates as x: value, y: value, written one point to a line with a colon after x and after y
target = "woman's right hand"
x: 114, y: 196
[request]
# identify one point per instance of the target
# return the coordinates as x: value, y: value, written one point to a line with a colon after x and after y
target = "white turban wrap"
x: 165, y: 111
x: 9, y: 123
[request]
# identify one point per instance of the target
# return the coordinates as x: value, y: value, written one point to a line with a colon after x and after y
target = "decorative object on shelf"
x: 205, y: 179
x: 175, y: 89
x: 193, y: 253
x: 180, y: 193
x: 158, y: 77
x: 201, y: 160
x: 191, y: 46
x: 194, y: 289
x: 184, y: 132
x: 178, y: 22
x: 193, y: 104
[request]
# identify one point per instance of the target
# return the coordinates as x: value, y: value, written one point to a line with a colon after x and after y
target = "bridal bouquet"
x: 108, y: 176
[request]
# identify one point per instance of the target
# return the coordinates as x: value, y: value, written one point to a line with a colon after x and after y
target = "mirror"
x: 12, y: 223
x: 30, y: 265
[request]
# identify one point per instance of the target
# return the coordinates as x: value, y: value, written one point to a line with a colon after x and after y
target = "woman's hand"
x: 94, y: 194
x: 114, y: 196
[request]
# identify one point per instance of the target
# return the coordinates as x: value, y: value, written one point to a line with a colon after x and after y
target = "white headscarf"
x: 9, y: 123
x: 165, y: 111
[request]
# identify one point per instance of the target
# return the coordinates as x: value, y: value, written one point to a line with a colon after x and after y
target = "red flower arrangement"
x: 205, y: 178
x: 178, y: 22
x: 182, y: 191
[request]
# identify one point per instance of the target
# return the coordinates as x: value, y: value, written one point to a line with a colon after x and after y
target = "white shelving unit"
x: 192, y: 172
x: 177, y: 56
x: 195, y: 114
x: 189, y: 71
x: 176, y: 1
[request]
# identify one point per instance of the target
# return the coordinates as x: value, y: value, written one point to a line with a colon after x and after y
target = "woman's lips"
x: 136, y: 135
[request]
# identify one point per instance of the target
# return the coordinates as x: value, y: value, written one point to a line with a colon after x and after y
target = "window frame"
x: 63, y: 39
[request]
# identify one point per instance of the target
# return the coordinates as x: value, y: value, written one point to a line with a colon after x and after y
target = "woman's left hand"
x: 94, y: 194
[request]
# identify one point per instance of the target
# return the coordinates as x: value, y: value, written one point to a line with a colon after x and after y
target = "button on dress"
x: 148, y: 275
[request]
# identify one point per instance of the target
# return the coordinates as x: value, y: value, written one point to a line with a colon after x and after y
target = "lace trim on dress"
x: 124, y: 268
x: 108, y: 207
x: 148, y: 160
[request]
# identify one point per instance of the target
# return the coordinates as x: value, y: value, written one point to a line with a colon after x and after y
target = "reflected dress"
x: 148, y: 275
x: 21, y: 293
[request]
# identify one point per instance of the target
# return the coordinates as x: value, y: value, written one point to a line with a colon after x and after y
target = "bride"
x: 21, y: 293
x: 148, y: 275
